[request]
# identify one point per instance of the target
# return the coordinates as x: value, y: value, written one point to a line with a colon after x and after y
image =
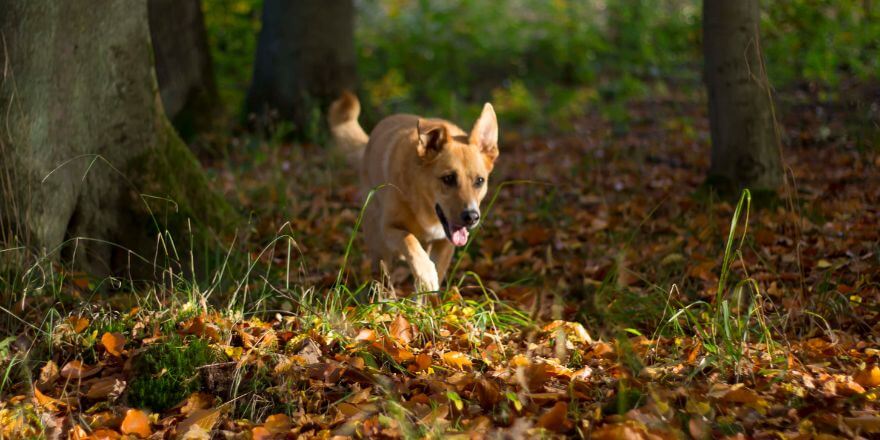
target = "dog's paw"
x: 426, y: 277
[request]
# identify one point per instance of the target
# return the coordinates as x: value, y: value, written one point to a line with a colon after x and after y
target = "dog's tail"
x: 348, y: 136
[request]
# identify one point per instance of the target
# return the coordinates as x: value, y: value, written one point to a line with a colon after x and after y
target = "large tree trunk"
x: 745, y: 151
x: 183, y: 65
x: 85, y: 147
x: 305, y: 58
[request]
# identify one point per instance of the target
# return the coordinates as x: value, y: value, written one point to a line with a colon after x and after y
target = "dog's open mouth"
x: 458, y: 235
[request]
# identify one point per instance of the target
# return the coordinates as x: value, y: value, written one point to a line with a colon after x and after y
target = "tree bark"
x: 91, y: 168
x: 305, y: 59
x: 745, y: 150
x: 183, y: 65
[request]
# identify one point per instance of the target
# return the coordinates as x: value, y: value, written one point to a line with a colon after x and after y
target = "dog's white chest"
x: 435, y: 232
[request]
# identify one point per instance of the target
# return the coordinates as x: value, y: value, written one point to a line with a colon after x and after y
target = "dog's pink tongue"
x: 460, y: 236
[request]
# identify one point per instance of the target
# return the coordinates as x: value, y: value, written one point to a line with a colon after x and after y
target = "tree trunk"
x: 305, y: 59
x: 745, y: 151
x: 87, y: 156
x: 183, y: 65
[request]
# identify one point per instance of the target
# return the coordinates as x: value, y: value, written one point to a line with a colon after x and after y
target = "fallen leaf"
x: 423, y: 361
x: 136, y: 422
x: 49, y: 403
x: 77, y: 370
x: 77, y: 323
x: 865, y: 424
x: 456, y: 359
x: 113, y: 343
x: 401, y: 330
x: 201, y: 420
x: 277, y: 423
x: 366, y: 335
x: 105, y: 387
x: 556, y: 418
x: 48, y: 374
x: 869, y: 377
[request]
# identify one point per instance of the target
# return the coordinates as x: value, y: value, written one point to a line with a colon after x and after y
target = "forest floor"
x: 602, y: 297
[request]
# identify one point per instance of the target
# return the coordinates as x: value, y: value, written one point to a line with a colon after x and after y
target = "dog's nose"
x: 470, y: 217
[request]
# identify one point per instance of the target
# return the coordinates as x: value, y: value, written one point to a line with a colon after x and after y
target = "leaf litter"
x: 587, y: 306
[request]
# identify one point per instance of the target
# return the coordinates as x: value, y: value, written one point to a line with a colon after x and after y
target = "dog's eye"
x: 449, y: 179
x: 479, y: 182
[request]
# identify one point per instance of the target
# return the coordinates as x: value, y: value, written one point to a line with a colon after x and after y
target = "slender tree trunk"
x: 744, y: 147
x: 305, y: 58
x: 183, y: 65
x: 85, y: 147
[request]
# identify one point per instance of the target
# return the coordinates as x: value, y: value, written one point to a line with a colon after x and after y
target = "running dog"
x: 437, y: 175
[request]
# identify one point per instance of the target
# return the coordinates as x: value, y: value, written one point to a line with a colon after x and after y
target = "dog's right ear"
x: 432, y: 137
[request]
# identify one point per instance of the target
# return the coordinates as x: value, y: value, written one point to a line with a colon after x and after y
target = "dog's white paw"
x: 425, y: 274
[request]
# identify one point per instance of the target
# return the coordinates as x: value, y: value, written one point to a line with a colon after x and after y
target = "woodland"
x: 680, y: 238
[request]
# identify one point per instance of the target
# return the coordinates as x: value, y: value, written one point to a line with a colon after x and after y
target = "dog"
x: 437, y: 175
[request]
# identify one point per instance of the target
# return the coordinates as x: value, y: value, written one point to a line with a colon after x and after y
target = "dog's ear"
x: 432, y: 137
x: 485, y: 133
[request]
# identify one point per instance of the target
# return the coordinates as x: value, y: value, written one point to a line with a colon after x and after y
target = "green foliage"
x: 168, y: 372
x: 820, y: 40
x: 232, y: 27
x: 547, y: 62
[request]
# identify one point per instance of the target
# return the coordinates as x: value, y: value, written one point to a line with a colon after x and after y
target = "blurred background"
x: 545, y: 63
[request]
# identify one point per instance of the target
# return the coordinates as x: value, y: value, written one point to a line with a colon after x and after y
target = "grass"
x: 734, y: 319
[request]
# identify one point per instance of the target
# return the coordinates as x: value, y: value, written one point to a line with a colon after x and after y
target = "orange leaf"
x: 113, y: 343
x: 49, y: 403
x: 77, y: 323
x: 105, y: 434
x: 136, y: 422
x: 401, y: 330
x: 869, y: 377
x: 556, y: 419
x: 277, y: 424
x: 456, y: 359
x: 260, y: 433
x: 423, y: 361
x: 366, y: 335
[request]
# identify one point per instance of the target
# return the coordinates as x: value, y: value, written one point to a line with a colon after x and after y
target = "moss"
x: 167, y: 373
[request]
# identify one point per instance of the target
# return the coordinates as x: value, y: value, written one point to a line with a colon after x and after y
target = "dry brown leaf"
x: 196, y: 401
x: 113, y: 343
x: 423, y: 361
x: 106, y: 386
x: 456, y: 360
x: 49, y: 403
x: 865, y: 424
x: 619, y: 431
x: 136, y: 422
x: 401, y: 330
x: 77, y: 370
x: 48, y: 374
x: 556, y: 418
x: 201, y: 420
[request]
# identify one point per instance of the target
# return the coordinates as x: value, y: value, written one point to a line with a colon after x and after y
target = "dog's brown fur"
x: 414, y: 155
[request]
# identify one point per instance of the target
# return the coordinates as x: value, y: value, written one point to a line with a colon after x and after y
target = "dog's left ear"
x: 485, y: 133
x: 432, y: 137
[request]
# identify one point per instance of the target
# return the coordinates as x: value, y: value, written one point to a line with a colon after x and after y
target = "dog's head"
x: 457, y: 170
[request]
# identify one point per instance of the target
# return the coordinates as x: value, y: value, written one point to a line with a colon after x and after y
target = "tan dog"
x: 437, y: 176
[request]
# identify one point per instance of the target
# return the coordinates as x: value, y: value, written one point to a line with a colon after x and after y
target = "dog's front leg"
x: 423, y: 269
x: 441, y: 255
